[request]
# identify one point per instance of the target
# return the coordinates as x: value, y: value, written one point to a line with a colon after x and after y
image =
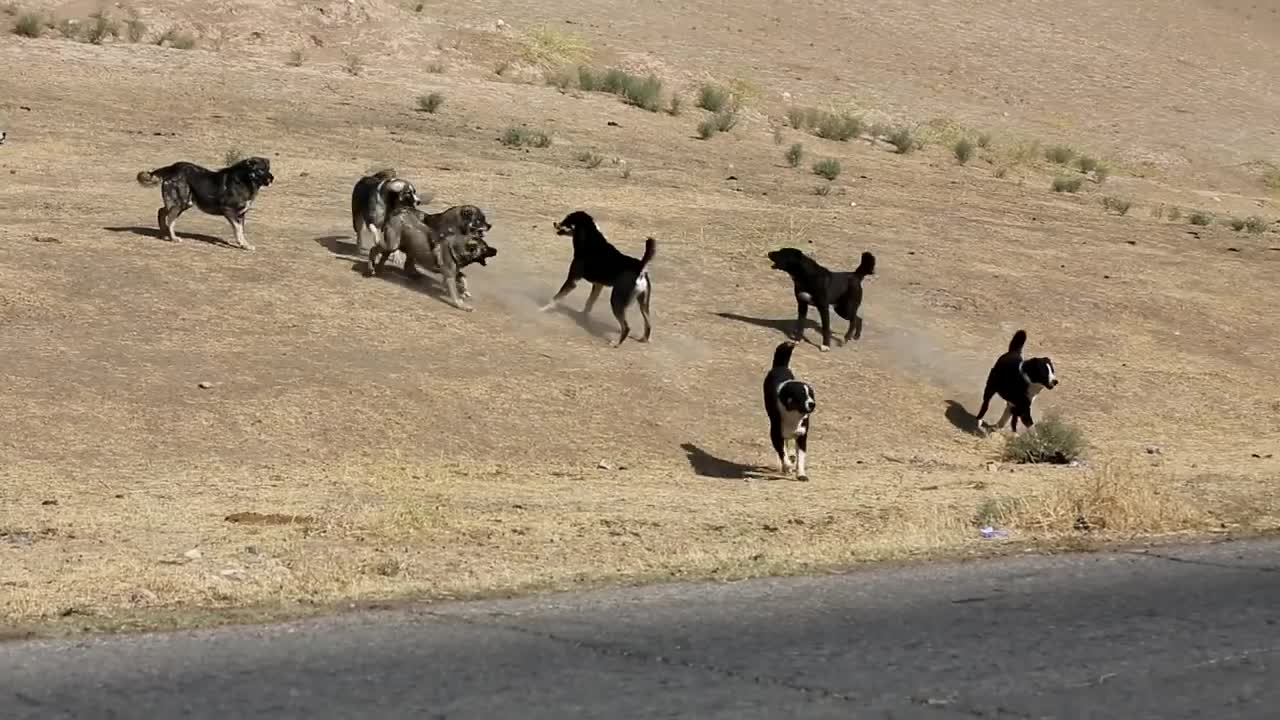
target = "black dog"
x: 789, y: 403
x: 601, y: 264
x: 823, y: 288
x: 228, y: 192
x: 1018, y: 382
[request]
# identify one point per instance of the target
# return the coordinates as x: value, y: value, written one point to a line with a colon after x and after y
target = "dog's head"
x: 401, y: 193
x: 473, y: 249
x: 257, y: 170
x: 797, y: 396
x: 573, y: 221
x: 1040, y: 371
x: 789, y: 260
x: 471, y: 221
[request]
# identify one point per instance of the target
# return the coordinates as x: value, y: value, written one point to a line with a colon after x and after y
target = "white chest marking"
x: 804, y: 297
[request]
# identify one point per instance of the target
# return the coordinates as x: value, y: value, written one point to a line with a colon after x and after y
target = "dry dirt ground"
x: 414, y: 450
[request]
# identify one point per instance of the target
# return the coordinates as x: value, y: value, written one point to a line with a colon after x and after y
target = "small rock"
x: 1233, y: 249
x: 48, y: 502
x: 252, y: 549
x: 193, y: 554
x: 205, y: 385
x: 786, y: 96
x: 613, y: 124
x: 1153, y: 450
x: 992, y: 467
x: 604, y: 465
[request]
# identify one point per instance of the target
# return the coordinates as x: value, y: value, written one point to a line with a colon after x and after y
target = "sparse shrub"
x: 135, y: 30
x: 797, y: 118
x: 29, y: 25
x: 708, y: 128
x: 176, y: 40
x: 68, y: 28
x: 1174, y: 213
x: 430, y: 102
x: 831, y: 126
x: 588, y: 79
x: 588, y: 158
x: 1066, y: 184
x: 984, y: 140
x: 101, y: 28
x: 643, y: 93
x: 1236, y: 224
x: 296, y: 57
x: 795, y: 154
x: 232, y: 156
x: 777, y: 135
x: 546, y: 47
x: 1052, y: 440
x: 1255, y: 224
x: 822, y: 190
x: 518, y: 136
x: 903, y: 140
x: 1157, y: 212
x: 1119, y: 206
x: 725, y: 120
x: 1271, y: 179
x: 828, y: 168
x: 1000, y: 171
x: 1100, y: 174
x: 1086, y: 164
x: 713, y: 98
x: 1200, y: 217
x: 1059, y: 154
x: 435, y: 67
x: 963, y: 150
x: 626, y: 172
x: 995, y: 511
x: 676, y: 106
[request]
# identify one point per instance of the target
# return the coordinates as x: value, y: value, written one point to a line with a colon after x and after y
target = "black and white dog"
x: 228, y: 192
x: 1017, y: 381
x: 598, y: 262
x: 823, y: 288
x: 789, y: 403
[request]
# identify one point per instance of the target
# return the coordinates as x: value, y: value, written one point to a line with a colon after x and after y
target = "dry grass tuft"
x: 1063, y: 184
x: 1052, y: 440
x: 297, y: 56
x: 525, y: 137
x: 546, y: 47
x: 431, y: 102
x: 1119, y: 206
x: 100, y: 28
x: 1121, y: 501
x: 795, y: 154
x: 175, y: 39
x: 963, y: 150
x: 29, y: 25
x: 1200, y: 217
x: 1059, y: 154
x: 589, y: 159
x: 828, y: 168
x: 713, y: 98
x: 903, y: 140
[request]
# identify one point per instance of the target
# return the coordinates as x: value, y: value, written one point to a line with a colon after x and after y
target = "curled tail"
x: 1019, y: 340
x: 650, y: 249
x: 148, y: 179
x: 867, y: 266
x: 782, y: 354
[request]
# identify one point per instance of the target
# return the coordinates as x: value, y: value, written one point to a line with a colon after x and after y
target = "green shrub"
x: 29, y: 25
x: 519, y: 136
x: 984, y: 140
x: 1086, y: 164
x: 713, y: 98
x: 1200, y: 217
x: 1052, y: 440
x: 1066, y: 184
x: 963, y: 150
x: 831, y: 126
x: 430, y: 102
x: 903, y: 140
x: 828, y: 168
x: 795, y: 154
x: 1059, y: 154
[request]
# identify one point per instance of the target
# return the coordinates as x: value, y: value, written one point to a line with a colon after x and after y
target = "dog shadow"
x: 340, y: 245
x: 708, y: 465
x: 430, y: 285
x: 962, y: 419
x: 595, y: 325
x: 158, y: 235
x: 783, y: 325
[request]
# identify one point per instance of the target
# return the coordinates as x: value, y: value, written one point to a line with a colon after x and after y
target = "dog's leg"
x: 824, y: 311
x: 802, y: 314
x: 377, y: 256
x: 1022, y: 413
x: 988, y: 392
x: 569, y: 284
x: 236, y: 218
x: 450, y: 278
x: 802, y: 446
x: 591, y: 299
x: 1004, y: 418
x: 168, y: 219
x: 462, y: 285
x: 775, y: 436
x: 619, y: 300
x: 644, y: 311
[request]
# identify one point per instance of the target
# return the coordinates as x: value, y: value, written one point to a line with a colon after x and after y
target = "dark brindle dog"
x: 442, y: 242
x: 598, y: 262
x: 371, y: 199
x: 228, y: 192
x: 817, y: 285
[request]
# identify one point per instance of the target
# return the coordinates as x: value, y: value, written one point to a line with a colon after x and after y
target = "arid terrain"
x: 190, y: 428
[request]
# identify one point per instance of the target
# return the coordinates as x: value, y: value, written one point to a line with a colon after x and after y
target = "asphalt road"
x: 1191, y: 632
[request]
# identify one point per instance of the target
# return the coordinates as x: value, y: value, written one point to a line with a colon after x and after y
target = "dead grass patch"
x: 29, y: 25
x: 547, y: 47
x: 1052, y: 440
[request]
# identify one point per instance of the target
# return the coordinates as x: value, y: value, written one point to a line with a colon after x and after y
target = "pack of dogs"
x: 387, y: 217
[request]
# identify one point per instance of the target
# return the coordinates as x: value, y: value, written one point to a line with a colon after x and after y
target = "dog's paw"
x: 546, y: 307
x: 465, y: 307
x: 802, y: 478
x: 824, y: 348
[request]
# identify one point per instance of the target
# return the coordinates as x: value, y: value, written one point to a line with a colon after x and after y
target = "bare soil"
x: 359, y: 439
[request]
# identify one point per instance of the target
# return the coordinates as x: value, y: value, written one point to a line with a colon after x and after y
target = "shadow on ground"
x: 962, y: 419
x: 708, y: 465
x: 182, y: 235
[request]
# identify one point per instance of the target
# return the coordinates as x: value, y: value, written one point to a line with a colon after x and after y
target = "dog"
x: 370, y: 201
x: 462, y: 228
x: 1017, y: 381
x: 789, y: 403
x: 598, y: 262
x: 408, y: 230
x: 228, y: 192
x: 814, y: 284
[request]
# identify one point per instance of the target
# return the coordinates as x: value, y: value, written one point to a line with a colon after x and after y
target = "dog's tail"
x: 149, y: 178
x: 1018, y: 341
x: 782, y: 354
x: 650, y: 249
x: 867, y: 266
